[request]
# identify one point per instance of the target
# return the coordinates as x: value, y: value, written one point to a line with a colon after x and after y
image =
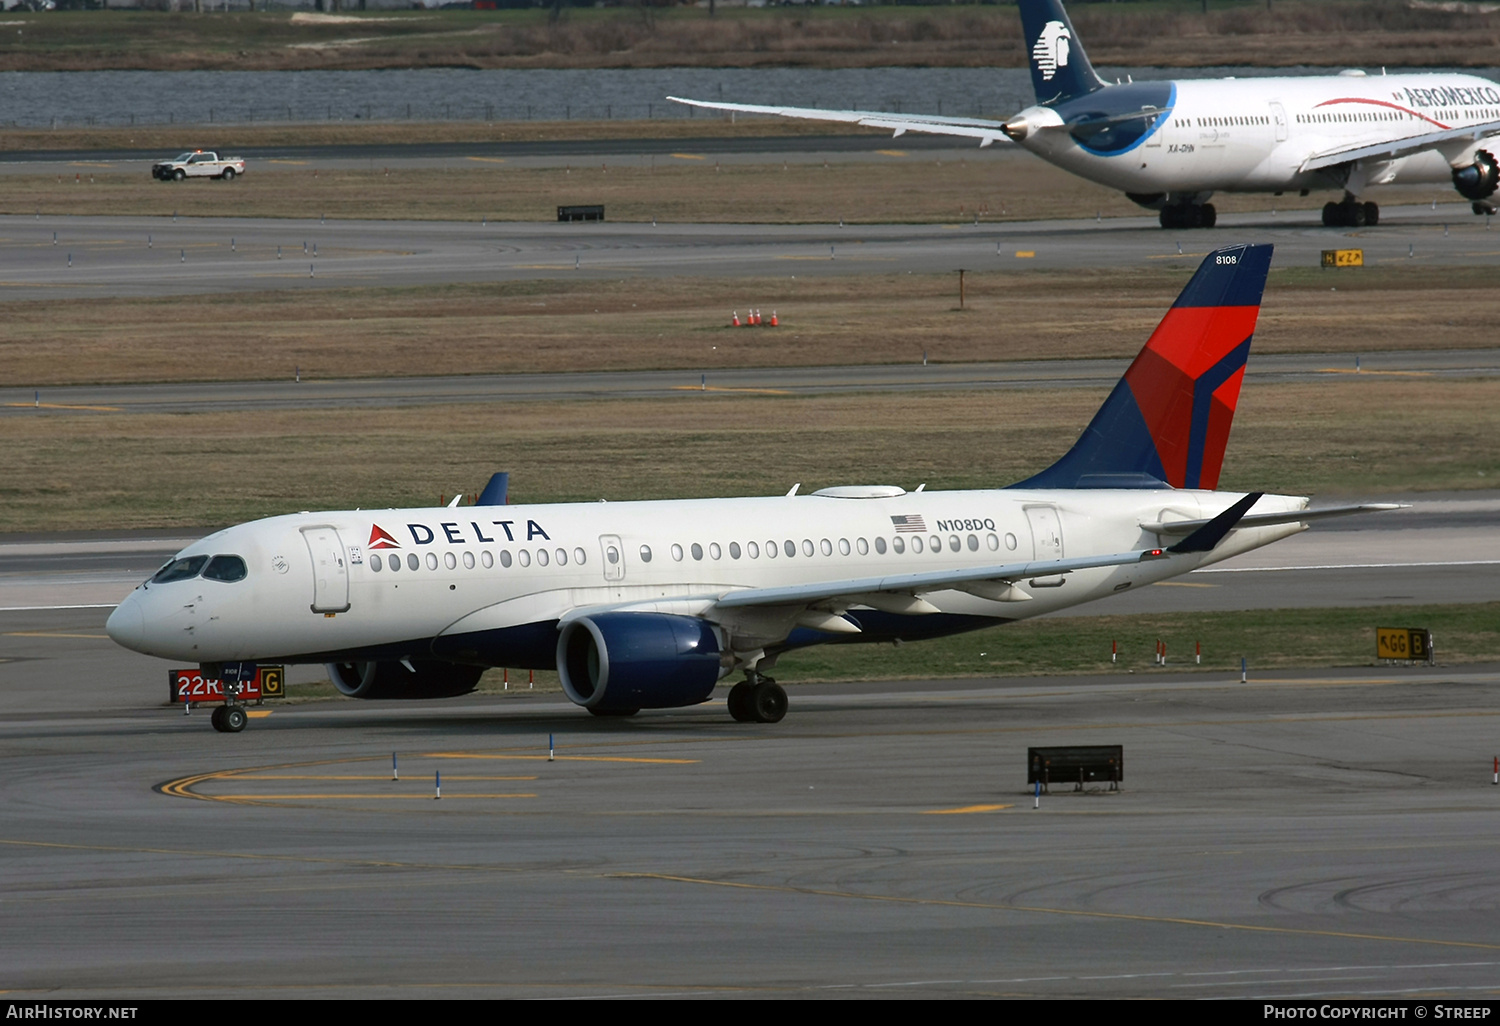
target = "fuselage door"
x: 330, y: 569
x: 614, y: 557
x: 1278, y: 118
x: 1046, y: 541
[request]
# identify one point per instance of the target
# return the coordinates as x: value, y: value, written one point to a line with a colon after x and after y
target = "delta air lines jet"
x: 1171, y: 145
x: 650, y: 604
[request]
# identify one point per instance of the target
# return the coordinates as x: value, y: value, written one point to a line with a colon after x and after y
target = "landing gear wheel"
x: 1331, y: 216
x: 233, y: 719
x: 1372, y: 214
x: 1207, y: 216
x: 739, y: 702
x: 217, y: 718
x: 767, y: 702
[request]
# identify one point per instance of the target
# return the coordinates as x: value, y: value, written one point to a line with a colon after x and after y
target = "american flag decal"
x: 909, y: 525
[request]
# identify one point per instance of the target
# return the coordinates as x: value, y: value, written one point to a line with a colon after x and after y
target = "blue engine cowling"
x: 617, y: 662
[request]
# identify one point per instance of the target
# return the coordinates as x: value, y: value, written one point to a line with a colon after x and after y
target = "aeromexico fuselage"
x: 490, y: 585
x: 1254, y: 135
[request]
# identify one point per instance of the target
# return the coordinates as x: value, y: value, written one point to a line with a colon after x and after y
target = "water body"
x: 122, y: 98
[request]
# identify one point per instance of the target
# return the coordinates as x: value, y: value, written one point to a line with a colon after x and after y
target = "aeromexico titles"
x: 651, y: 604
x: 1171, y: 145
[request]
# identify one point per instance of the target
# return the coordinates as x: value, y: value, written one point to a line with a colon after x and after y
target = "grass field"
x: 567, y: 325
x: 1160, y: 32
x: 78, y: 471
x: 1270, y: 639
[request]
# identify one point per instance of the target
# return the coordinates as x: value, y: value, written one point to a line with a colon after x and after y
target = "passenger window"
x: 580, y: 557
x: 880, y: 546
x: 487, y: 559
x: 771, y: 550
x: 826, y: 547
x: 898, y: 546
x: 611, y: 555
x: 734, y: 550
x: 377, y: 564
x: 180, y: 570
x: 807, y: 547
x: 225, y: 568
x: 561, y: 555
x: 843, y: 546
x: 432, y: 560
x: 1010, y: 542
x: 714, y: 552
x: 523, y: 557
x: 863, y: 546
x: 677, y: 552
x: 541, y: 557
x: 973, y: 543
x: 505, y: 558
x: 789, y: 547
x: 645, y: 553
x: 412, y: 561
x: 992, y: 542
x: 936, y: 543
x: 954, y: 544
x: 468, y: 560
x: 697, y: 551
x: 916, y: 543
x: 394, y: 562
x: 753, y: 549
x: 450, y: 561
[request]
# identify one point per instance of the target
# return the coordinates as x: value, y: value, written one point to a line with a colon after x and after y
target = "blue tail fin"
x: 1166, y: 424
x: 1060, y: 70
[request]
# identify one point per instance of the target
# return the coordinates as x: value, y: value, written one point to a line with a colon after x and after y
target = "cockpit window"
x: 180, y: 570
x: 225, y: 568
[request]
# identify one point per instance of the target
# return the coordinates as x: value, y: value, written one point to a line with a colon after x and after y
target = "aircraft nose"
x: 127, y: 625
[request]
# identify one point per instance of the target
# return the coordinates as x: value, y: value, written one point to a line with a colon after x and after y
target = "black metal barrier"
x: 583, y: 213
x: 1077, y: 765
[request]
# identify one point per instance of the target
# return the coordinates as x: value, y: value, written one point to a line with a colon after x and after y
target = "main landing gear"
x: 757, y: 699
x: 229, y: 719
x: 1351, y: 213
x: 1188, y: 215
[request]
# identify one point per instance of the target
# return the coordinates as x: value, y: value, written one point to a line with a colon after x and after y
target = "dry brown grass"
x: 566, y: 325
x: 1166, y: 32
x: 64, y: 471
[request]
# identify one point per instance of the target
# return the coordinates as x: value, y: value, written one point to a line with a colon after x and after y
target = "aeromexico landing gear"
x: 1350, y: 213
x: 1188, y: 215
x: 757, y: 700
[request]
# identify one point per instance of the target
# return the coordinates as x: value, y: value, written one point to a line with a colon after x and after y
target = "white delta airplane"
x: 643, y: 605
x: 1171, y: 145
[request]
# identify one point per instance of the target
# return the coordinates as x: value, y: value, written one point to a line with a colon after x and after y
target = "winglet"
x: 1213, y: 532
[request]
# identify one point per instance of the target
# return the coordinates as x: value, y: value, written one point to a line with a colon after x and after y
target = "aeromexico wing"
x: 650, y: 604
x: 1170, y: 145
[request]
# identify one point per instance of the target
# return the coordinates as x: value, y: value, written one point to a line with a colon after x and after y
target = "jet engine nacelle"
x: 1478, y: 180
x: 621, y: 662
x: 385, y: 680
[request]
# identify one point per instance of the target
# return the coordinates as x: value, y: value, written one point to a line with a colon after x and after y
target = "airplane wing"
x: 1272, y: 519
x: 932, y: 580
x: 1395, y: 148
x: 985, y: 131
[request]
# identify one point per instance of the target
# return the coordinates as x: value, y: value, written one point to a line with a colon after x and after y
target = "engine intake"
x: 385, y: 680
x: 1478, y: 180
x: 620, y: 662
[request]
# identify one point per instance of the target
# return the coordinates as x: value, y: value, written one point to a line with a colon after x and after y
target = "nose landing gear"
x: 229, y: 719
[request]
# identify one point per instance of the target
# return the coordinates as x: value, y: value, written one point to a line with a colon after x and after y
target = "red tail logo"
x: 379, y: 539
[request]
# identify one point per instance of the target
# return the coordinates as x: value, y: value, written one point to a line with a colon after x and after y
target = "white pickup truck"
x: 198, y: 164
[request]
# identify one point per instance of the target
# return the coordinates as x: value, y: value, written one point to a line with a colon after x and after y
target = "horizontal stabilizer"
x: 1272, y: 519
x: 1213, y: 532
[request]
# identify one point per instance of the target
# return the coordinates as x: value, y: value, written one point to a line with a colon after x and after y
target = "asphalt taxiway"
x: 154, y: 256
x: 1306, y: 835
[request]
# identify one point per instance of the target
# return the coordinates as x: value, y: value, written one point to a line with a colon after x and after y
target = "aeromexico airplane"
x: 1171, y: 145
x: 649, y: 604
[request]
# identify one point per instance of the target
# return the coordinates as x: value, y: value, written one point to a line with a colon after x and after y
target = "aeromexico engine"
x: 616, y: 663
x: 1478, y: 180
x: 427, y: 678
